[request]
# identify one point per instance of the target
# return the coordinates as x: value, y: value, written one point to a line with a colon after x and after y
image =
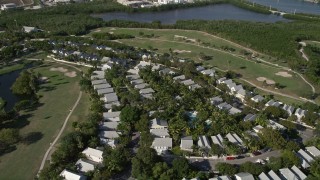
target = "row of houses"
x: 308, y: 155
x: 144, y: 88
x: 93, y: 158
x: 219, y: 103
x: 284, y: 174
x: 236, y: 90
x: 80, y: 55
x: 77, y: 45
x: 187, y: 82
x: 162, y: 141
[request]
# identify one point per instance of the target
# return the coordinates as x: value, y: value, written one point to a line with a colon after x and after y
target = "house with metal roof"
x: 157, y: 123
x: 141, y: 86
x: 109, y: 125
x: 313, y: 151
x: 109, y: 105
x: 286, y: 173
x: 305, y: 156
x: 244, y: 176
x: 98, y: 81
x: 200, y: 68
x: 136, y: 81
x: 111, y: 116
x: 84, y: 166
x: 147, y: 96
x: 234, y: 138
x: 273, y: 175
x: 162, y: 144
x: 101, y: 86
x: 93, y: 154
x: 300, y: 113
x: 186, y: 143
x: 218, y: 139
x: 234, y: 110
x: 133, y: 77
x: 221, y: 178
x: 216, y: 100
x: 146, y: 91
x: 250, y: 117
x: 263, y: 176
x: 224, y: 106
x: 193, y: 87
x: 105, y: 91
x: 203, y: 142
x: 273, y: 103
x: 187, y: 82
x: 68, y: 175
x: 109, y: 134
x: 275, y: 125
x: 257, y: 128
x: 161, y: 133
x: 179, y: 78
x: 257, y: 98
x: 209, y: 72
x: 298, y: 172
x: 289, y: 109
x: 110, y: 97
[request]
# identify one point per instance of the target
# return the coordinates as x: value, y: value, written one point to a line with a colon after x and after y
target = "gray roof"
x: 208, y: 72
x: 203, y: 142
x: 99, y: 81
x: 104, y: 91
x: 186, y: 142
x: 84, y: 166
x: 187, y: 82
x: 305, y: 156
x: 97, y: 77
x: 194, y: 86
x: 234, y: 138
x: 133, y: 77
x: 109, y: 125
x: 137, y: 81
x: 224, y: 106
x: 68, y: 175
x: 298, y: 172
x: 234, y: 110
x: 244, y: 176
x: 162, y: 142
x: 289, y: 109
x: 146, y: 91
x: 250, y: 117
x: 217, y: 140
x: 200, y: 68
x: 221, y: 178
x: 216, y: 100
x: 147, y: 96
x: 141, y: 86
x: 159, y: 132
x: 313, y: 151
x: 257, y: 98
x: 181, y: 77
x: 273, y: 175
x: 111, y: 97
x: 300, y: 112
x: 158, y: 122
x: 263, y: 176
x: 101, y: 86
x: 109, y: 105
x: 111, y: 116
x: 287, y: 173
x: 109, y: 134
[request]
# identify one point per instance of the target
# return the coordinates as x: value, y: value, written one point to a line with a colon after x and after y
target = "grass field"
x: 10, y: 68
x: 57, y: 98
x: 250, y: 70
x: 196, y: 37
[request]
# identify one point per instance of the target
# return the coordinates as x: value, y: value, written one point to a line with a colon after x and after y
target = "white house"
x: 244, y: 176
x: 218, y: 139
x: 224, y: 106
x: 136, y: 81
x: 188, y: 82
x: 93, y: 154
x: 203, y: 142
x: 28, y: 29
x: 186, y: 143
x: 257, y: 98
x: 157, y: 123
x: 257, y: 128
x: 300, y: 113
x: 273, y: 103
x: 161, y: 133
x: 250, y: 117
x: 273, y: 175
x: 194, y: 86
x: 109, y: 105
x: 234, y: 110
x: 110, y: 97
x: 221, y: 178
x: 263, y: 176
x: 111, y: 116
x: 313, y: 151
x: 275, y: 125
x: 162, y: 144
x: 286, y: 173
x: 84, y: 166
x: 68, y: 175
x: 298, y: 172
x: 289, y: 109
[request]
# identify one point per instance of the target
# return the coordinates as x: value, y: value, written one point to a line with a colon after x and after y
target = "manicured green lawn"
x: 10, y: 68
x: 58, y: 97
x: 249, y: 69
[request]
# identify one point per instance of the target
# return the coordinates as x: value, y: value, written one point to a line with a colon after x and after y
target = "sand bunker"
x: 70, y: 74
x: 59, y: 69
x: 268, y: 81
x: 65, y: 71
x: 283, y: 74
x: 181, y: 51
x: 185, y: 38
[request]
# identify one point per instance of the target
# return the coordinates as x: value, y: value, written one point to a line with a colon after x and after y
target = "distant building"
x: 68, y: 175
x: 257, y: 98
x: 8, y: 6
x: 244, y: 176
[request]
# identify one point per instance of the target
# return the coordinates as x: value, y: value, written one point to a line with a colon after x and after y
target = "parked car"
x: 240, y: 157
x: 231, y: 158
x: 256, y: 153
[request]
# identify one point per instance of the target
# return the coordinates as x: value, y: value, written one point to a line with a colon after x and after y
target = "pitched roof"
x: 104, y: 91
x: 244, y: 176
x: 162, y: 142
x: 298, y: 172
x: 84, y: 166
x: 188, y: 82
x: 109, y: 125
x: 111, y: 114
x: 109, y: 134
x: 287, y: 173
x: 92, y: 152
x: 313, y: 151
x: 99, y: 81
x: 111, y: 97
x: 257, y: 98
x: 101, y: 86
x: 273, y: 175
x: 146, y: 91
x: 158, y: 122
x: 217, y: 140
x: 186, y: 142
x: 68, y: 175
x: 305, y: 155
x: 203, y: 142
x: 136, y: 81
x: 234, y: 110
x: 159, y: 132
x: 250, y: 117
x: 181, y: 77
x: 263, y: 176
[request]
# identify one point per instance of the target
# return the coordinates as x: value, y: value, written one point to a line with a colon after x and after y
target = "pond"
x: 6, y: 81
x: 211, y: 12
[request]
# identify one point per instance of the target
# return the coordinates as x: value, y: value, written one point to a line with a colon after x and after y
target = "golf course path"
x: 45, y: 157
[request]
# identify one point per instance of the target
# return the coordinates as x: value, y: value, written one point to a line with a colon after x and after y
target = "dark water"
x: 211, y: 12
x: 291, y: 5
x: 6, y: 81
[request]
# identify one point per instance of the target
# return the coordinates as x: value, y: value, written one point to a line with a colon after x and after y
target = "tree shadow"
x: 48, y: 88
x: 65, y: 82
x: 8, y: 149
x: 202, y: 165
x: 34, y: 107
x: 32, y: 137
x: 19, y: 123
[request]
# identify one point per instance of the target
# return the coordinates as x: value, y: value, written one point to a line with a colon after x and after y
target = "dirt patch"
x: 113, y: 29
x: 283, y: 74
x: 59, y: 69
x: 71, y: 74
x: 181, y: 51
x: 43, y: 79
x: 268, y: 81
